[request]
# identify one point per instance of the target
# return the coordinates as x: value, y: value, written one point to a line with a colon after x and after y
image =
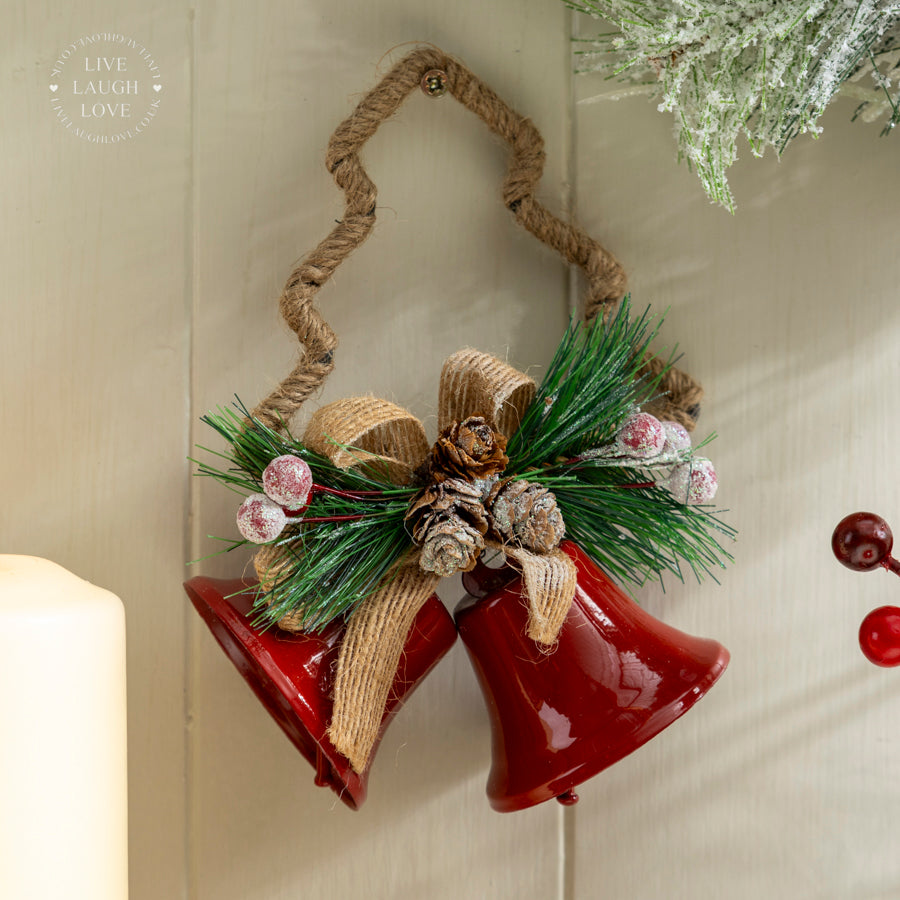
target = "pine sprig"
x: 331, y: 568
x: 253, y: 445
x: 353, y: 534
x: 591, y: 385
x: 634, y: 532
x: 324, y: 569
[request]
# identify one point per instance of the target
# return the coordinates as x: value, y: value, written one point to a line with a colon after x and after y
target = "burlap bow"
x: 471, y: 382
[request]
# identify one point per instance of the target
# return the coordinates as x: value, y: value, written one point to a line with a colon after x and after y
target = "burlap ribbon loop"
x: 370, y: 432
x: 473, y: 382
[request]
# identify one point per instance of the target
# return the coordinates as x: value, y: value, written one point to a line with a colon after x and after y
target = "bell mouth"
x: 292, y: 674
x: 289, y: 673
x: 607, y: 747
x: 616, y: 678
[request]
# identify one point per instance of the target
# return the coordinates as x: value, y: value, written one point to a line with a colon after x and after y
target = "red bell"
x: 293, y: 674
x: 616, y: 678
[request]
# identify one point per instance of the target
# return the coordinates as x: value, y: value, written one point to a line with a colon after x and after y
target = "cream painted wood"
x: 445, y: 267
x: 93, y: 366
x: 140, y: 291
x: 782, y: 783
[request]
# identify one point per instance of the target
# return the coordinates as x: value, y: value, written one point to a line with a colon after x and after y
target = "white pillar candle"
x: 63, y: 777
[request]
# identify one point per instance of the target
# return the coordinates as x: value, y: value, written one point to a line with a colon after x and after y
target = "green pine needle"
x: 253, y: 445
x: 591, y: 385
x: 636, y: 533
x: 332, y: 566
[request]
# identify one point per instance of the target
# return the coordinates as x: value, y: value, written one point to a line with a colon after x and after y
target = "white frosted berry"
x: 260, y: 519
x: 640, y: 437
x: 693, y: 482
x: 288, y: 481
x: 678, y: 438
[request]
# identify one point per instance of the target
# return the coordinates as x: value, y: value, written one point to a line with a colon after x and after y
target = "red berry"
x: 862, y: 541
x: 879, y: 636
x: 641, y: 436
x: 288, y: 481
x: 260, y: 519
x: 693, y: 482
x: 678, y: 438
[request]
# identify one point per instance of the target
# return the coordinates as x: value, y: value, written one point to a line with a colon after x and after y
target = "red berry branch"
x: 863, y: 542
x: 288, y: 486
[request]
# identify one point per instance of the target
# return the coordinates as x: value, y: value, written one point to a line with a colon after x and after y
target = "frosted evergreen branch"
x: 762, y: 69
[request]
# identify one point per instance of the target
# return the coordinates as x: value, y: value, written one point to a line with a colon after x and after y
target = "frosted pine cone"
x: 437, y: 501
x: 450, y: 545
x: 449, y: 522
x: 469, y: 449
x: 525, y: 513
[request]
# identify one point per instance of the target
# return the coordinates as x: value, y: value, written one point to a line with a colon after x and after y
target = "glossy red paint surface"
x: 879, y: 636
x: 293, y: 674
x: 616, y: 678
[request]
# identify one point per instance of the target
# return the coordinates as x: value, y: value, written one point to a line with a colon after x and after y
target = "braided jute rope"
x: 606, y: 278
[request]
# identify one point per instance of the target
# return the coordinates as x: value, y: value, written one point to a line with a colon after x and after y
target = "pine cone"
x: 469, y: 449
x: 437, y: 501
x: 525, y: 513
x: 451, y: 545
x: 448, y: 521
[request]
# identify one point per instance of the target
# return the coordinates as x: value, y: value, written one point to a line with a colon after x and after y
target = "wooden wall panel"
x: 141, y: 286
x: 445, y: 267
x: 94, y: 374
x: 782, y: 782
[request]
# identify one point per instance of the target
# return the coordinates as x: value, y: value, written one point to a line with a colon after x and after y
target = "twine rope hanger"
x: 605, y: 275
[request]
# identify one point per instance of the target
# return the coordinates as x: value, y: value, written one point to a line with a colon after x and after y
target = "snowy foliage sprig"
x: 755, y: 67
